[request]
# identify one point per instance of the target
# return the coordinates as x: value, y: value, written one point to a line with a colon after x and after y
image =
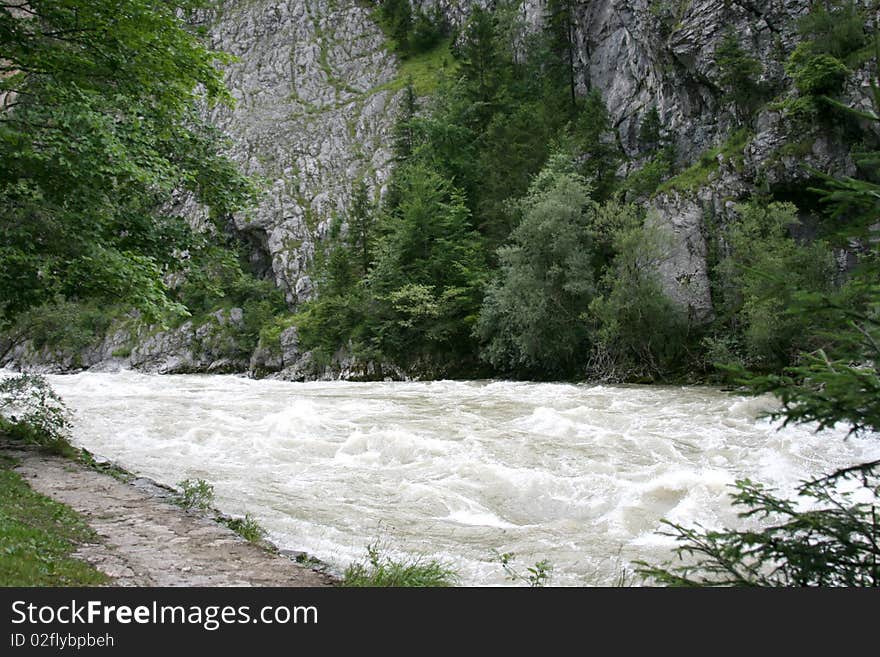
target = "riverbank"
x: 139, y: 538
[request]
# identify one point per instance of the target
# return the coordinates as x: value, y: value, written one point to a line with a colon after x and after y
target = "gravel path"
x: 147, y: 541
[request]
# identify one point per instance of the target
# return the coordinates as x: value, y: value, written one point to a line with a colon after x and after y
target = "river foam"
x: 579, y: 475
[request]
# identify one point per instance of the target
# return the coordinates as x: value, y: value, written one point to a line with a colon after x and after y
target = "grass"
x: 38, y: 537
x: 700, y: 173
x: 381, y: 571
x: 86, y: 458
x: 248, y: 528
x: 425, y: 70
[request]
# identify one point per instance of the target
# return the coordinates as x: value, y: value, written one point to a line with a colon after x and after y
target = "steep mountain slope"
x: 315, y: 103
x: 318, y: 93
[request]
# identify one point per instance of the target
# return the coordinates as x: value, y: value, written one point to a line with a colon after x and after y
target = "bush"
x: 640, y: 332
x: 31, y: 411
x: 538, y: 575
x: 248, y: 528
x: 738, y: 75
x: 837, y: 30
x: 759, y: 279
x: 381, y: 571
x: 531, y: 320
x: 818, y: 75
x: 195, y: 494
x: 65, y: 325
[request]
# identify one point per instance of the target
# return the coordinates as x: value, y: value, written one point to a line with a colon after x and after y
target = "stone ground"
x: 147, y: 540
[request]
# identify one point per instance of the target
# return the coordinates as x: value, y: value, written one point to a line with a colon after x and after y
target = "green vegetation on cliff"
x: 550, y: 269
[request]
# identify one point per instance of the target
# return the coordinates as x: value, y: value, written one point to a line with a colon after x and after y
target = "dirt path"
x: 147, y: 541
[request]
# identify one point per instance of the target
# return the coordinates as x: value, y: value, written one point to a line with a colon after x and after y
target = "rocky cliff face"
x: 315, y: 104
x: 660, y: 53
x: 316, y: 107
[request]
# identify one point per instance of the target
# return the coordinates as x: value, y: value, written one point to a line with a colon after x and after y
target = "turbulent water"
x: 578, y: 475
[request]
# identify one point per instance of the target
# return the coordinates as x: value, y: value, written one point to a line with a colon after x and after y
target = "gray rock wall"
x: 317, y: 97
x: 315, y: 105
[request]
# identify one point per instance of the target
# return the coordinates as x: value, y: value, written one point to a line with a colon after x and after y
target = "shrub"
x: 640, y: 332
x: 836, y: 28
x: 65, y: 325
x: 818, y: 75
x: 738, y: 75
x: 31, y: 411
x: 530, y: 322
x: 248, y: 528
x: 195, y: 494
x: 759, y: 279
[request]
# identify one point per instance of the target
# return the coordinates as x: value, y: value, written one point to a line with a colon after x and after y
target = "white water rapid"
x: 579, y: 475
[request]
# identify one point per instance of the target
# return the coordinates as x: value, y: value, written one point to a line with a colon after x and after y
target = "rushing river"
x: 579, y: 475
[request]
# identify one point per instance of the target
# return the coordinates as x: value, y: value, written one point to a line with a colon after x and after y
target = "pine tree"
x: 479, y: 56
x: 560, y: 31
x: 738, y: 76
x: 404, y: 134
x: 651, y: 137
x: 361, y: 225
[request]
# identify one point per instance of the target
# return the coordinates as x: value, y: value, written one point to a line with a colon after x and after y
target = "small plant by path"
x: 379, y: 570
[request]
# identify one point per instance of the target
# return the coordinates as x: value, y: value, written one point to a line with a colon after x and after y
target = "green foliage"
x: 419, y: 297
x: 101, y: 127
x: 479, y: 54
x: 831, y: 540
x: 833, y: 543
x: 656, y: 144
x: 639, y: 332
x: 428, y: 29
x: 833, y: 40
x: 700, y: 172
x: 560, y: 40
x: 760, y: 279
x: 531, y: 320
x: 835, y: 28
x: 828, y: 389
x: 39, y: 537
x: 410, y: 32
x: 195, y: 494
x: 426, y: 70
x: 596, y: 146
x: 32, y: 412
x: 651, y: 133
x: 379, y: 570
x: 816, y: 75
x: 395, y: 17
x: 338, y: 316
x: 644, y: 182
x: 516, y: 142
x: 214, y: 277
x: 738, y: 75
x: 537, y: 575
x: 65, y: 325
x: 429, y: 270
x: 248, y: 528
